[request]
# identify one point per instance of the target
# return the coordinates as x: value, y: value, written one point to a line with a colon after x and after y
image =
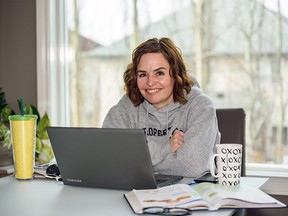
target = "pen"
x: 191, y: 183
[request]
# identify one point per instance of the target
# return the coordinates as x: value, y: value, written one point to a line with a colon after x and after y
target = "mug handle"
x: 212, y: 165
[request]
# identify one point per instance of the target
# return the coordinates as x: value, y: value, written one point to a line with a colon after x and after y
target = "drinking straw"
x: 21, y: 104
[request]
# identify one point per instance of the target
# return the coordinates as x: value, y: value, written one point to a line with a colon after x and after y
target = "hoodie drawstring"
x: 167, y: 132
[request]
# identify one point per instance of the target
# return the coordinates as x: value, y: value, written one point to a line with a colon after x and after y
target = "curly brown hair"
x: 177, y: 69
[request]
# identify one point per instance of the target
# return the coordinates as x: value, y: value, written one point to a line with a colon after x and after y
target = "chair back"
x: 231, y: 124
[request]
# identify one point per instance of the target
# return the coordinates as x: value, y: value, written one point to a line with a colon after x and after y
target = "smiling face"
x: 154, y: 81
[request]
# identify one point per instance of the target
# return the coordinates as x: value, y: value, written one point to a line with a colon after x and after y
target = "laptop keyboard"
x: 161, y: 178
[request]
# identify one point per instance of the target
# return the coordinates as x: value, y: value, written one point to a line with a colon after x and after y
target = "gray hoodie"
x: 196, y: 118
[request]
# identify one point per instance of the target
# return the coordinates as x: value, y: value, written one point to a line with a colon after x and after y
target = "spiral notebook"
x: 105, y: 158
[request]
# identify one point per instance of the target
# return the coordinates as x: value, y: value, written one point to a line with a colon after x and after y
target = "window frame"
x: 52, y: 69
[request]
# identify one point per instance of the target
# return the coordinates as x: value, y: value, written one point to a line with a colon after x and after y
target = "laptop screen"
x: 101, y: 157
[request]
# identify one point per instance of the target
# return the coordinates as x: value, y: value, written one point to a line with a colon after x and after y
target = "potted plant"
x: 43, y: 152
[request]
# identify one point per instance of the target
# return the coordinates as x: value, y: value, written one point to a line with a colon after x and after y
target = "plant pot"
x: 6, y: 155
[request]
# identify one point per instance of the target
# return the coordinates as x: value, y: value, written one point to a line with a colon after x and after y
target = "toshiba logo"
x: 74, y: 180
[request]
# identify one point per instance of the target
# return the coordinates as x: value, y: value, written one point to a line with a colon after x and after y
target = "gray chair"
x: 231, y: 123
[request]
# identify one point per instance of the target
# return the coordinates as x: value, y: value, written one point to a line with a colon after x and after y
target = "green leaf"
x: 34, y: 111
x: 46, y: 154
x: 42, y: 125
x: 3, y: 131
x: 4, y: 114
x: 3, y: 102
x: 39, y: 145
x: 5, y: 135
x: 7, y: 140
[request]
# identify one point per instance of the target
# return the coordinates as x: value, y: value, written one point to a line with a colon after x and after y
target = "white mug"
x: 228, y: 164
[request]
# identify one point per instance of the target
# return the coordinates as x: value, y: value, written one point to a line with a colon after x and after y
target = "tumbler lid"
x: 22, y: 117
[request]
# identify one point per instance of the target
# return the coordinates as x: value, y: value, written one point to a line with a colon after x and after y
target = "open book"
x: 201, y: 196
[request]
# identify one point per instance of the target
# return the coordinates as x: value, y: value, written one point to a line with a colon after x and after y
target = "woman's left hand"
x: 176, y: 140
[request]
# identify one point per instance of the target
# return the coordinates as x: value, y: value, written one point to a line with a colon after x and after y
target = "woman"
x: 178, y: 118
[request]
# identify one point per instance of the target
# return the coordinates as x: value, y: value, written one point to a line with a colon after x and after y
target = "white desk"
x: 50, y: 198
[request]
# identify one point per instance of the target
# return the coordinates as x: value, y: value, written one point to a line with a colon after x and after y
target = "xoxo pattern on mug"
x: 229, y: 166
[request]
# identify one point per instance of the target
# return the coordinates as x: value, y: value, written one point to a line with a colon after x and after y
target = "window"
x: 236, y: 49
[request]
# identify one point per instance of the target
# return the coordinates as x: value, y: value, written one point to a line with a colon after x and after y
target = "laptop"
x: 105, y: 158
